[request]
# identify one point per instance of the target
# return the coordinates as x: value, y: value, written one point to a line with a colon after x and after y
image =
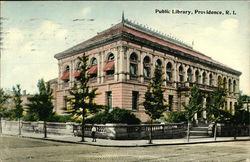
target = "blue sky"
x: 33, y: 32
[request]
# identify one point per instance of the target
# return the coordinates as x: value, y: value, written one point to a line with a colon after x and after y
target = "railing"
x: 186, y: 85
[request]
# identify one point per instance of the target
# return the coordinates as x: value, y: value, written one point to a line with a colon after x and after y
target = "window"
x: 224, y: 83
x: 197, y: 76
x: 170, y: 102
x: 229, y: 85
x: 109, y: 99
x: 66, y: 74
x: 146, y: 67
x: 231, y: 107
x: 158, y: 63
x: 234, y: 86
x: 109, y: 68
x: 219, y: 81
x: 65, y: 103
x: 210, y: 79
x: 133, y: 64
x: 204, y: 79
x: 92, y: 72
x: 181, y: 74
x: 189, y: 75
x: 169, y: 72
x: 135, y: 97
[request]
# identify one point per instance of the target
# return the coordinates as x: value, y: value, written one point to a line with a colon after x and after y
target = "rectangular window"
x: 135, y: 97
x: 109, y: 99
x: 170, y: 102
x: 65, y: 103
x: 231, y: 107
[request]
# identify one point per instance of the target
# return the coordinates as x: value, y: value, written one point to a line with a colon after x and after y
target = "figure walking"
x: 93, y: 131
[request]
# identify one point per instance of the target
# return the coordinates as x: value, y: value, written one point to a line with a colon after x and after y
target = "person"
x: 93, y: 131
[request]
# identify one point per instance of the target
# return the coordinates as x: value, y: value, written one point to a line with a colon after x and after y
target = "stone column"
x: 141, y: 67
x: 98, y: 68
x: 102, y: 56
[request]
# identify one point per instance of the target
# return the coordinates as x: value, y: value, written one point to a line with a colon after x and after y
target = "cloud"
x: 14, y: 35
x: 86, y: 11
x: 229, y: 24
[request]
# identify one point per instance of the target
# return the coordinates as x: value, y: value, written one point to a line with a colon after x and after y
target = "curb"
x: 136, y: 145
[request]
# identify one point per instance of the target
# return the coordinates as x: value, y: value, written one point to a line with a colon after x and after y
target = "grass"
x: 15, y: 149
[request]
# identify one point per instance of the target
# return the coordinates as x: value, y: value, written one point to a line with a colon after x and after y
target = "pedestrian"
x: 93, y: 131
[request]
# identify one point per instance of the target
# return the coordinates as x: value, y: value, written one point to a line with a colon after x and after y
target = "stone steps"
x: 199, y: 132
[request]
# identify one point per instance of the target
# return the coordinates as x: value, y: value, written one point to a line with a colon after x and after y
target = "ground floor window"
x: 65, y: 103
x: 109, y: 99
x: 135, y: 97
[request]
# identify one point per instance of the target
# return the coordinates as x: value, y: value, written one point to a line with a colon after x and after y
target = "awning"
x: 65, y: 75
x: 77, y: 74
x: 109, y: 66
x: 92, y: 70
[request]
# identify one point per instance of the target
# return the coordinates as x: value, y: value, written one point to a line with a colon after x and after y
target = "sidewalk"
x: 125, y: 143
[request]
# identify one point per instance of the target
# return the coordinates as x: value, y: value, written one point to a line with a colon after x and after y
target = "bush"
x: 115, y: 115
x: 61, y: 118
x: 176, y: 117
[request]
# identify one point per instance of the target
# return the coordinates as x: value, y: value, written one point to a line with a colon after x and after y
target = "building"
x: 122, y: 60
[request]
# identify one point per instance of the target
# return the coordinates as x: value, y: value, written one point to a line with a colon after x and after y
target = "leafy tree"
x: 194, y: 106
x: 214, y: 107
x: 3, y: 109
x: 40, y: 104
x: 154, y: 103
x: 82, y: 96
x: 18, y: 107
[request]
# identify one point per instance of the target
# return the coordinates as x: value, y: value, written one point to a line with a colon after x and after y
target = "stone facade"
x: 122, y: 61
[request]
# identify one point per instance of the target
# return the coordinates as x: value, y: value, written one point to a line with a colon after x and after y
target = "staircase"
x: 199, y: 132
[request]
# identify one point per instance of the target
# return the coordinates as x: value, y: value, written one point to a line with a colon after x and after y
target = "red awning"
x: 65, y: 75
x: 77, y: 74
x: 92, y: 70
x: 109, y: 66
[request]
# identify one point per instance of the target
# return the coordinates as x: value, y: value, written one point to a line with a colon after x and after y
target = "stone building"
x: 122, y: 60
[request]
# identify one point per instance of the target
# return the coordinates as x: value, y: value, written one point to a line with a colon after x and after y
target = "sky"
x: 34, y: 31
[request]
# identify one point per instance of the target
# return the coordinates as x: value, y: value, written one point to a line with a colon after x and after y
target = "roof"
x: 137, y: 32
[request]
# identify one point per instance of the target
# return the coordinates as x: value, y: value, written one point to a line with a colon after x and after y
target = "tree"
x: 18, y: 107
x: 3, y: 109
x: 154, y: 102
x: 194, y: 106
x: 214, y: 107
x: 82, y: 96
x: 40, y: 104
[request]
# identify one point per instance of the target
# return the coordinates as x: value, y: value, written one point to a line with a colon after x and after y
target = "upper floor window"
x: 219, y: 81
x: 204, y: 78
x: 92, y: 72
x: 189, y: 75
x: 225, y: 82
x: 66, y: 74
x: 146, y: 67
x: 133, y: 64
x: 197, y: 76
x: 210, y: 79
x: 110, y: 65
x: 169, y: 72
x: 158, y: 63
x: 77, y: 72
x: 181, y: 74
x: 234, y: 86
x: 229, y: 85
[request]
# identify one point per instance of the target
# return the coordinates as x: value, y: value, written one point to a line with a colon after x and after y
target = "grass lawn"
x: 15, y: 149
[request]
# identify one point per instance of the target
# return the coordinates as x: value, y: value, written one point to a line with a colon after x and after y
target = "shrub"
x: 176, y: 117
x: 115, y: 115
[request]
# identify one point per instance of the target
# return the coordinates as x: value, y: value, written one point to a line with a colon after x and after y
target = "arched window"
x: 219, y: 81
x: 133, y: 64
x: 92, y: 72
x: 146, y: 67
x: 66, y: 74
x: 78, y: 72
x: 229, y: 85
x: 189, y: 75
x: 204, y: 78
x: 181, y: 74
x: 197, y: 76
x: 234, y: 86
x: 225, y: 82
x: 109, y: 68
x: 158, y: 63
x: 169, y: 72
x: 210, y: 79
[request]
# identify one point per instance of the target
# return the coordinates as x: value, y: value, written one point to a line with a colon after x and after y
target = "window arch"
x: 169, y: 71
x: 210, y: 79
x: 146, y: 66
x: 181, y: 74
x: 158, y: 63
x: 189, y: 75
x: 66, y: 74
x: 234, y: 86
x: 219, y: 81
x: 229, y: 85
x: 197, y: 76
x: 109, y: 68
x: 133, y: 64
x: 204, y: 78
x: 93, y: 61
x: 224, y: 82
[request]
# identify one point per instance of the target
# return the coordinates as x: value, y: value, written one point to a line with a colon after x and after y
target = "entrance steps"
x: 199, y: 132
